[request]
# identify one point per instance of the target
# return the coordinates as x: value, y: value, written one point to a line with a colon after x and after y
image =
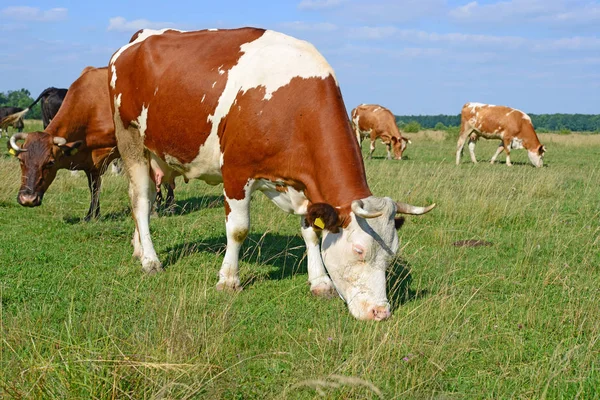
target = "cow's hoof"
x: 229, y: 285
x: 151, y: 267
x: 323, y: 289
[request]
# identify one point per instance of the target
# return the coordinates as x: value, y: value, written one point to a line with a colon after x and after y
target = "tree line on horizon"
x: 541, y: 122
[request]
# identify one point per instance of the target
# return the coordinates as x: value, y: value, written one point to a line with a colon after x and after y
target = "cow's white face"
x: 536, y: 156
x: 358, y: 256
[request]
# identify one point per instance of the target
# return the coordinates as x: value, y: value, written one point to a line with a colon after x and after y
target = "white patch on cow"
x: 221, y: 160
x: 212, y: 30
x: 290, y: 200
x: 535, y: 158
x: 516, y: 144
x: 214, y: 84
x: 117, y: 102
x: 220, y: 69
x: 156, y: 90
x: 113, y: 78
x: 377, y: 109
x: 203, y: 97
x: 510, y: 112
x: 142, y: 121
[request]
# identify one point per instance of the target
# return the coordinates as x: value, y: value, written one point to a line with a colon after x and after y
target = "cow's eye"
x: 359, y: 250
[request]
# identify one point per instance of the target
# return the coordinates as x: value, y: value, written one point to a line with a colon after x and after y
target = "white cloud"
x: 306, y: 26
x: 24, y: 13
x: 120, y: 24
x: 319, y: 4
x: 518, y: 11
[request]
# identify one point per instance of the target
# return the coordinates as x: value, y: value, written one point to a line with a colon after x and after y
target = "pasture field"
x: 517, y: 319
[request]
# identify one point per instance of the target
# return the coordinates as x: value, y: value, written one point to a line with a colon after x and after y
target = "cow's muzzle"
x: 29, y: 199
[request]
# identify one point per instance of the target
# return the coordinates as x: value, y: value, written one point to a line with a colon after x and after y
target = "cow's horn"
x: 59, y: 141
x: 357, y: 208
x: 13, y: 141
x: 404, y: 208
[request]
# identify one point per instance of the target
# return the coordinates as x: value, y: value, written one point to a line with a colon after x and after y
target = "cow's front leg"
x: 371, y: 149
x: 389, y: 150
x: 320, y: 283
x: 237, y: 225
x: 94, y: 183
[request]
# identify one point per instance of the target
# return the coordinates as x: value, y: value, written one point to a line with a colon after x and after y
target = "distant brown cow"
x: 514, y: 127
x: 378, y: 122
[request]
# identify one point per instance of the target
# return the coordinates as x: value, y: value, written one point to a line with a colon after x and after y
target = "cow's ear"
x: 322, y: 216
x: 394, y: 139
x: 70, y: 149
x: 398, y: 222
x: 541, y: 150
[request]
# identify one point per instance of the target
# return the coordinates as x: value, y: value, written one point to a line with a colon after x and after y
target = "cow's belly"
x: 287, y: 198
x: 205, y: 166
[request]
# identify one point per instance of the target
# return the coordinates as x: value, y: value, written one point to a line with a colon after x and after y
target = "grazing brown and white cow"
x: 375, y: 122
x: 255, y: 110
x: 514, y: 127
x: 80, y: 137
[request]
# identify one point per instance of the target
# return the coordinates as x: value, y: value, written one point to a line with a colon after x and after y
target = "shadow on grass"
x: 399, y: 279
x: 278, y: 256
x: 180, y: 207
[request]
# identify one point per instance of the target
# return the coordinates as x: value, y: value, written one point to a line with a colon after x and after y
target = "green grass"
x: 519, y: 319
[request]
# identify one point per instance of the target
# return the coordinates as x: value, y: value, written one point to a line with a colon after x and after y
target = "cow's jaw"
x: 357, y: 258
x: 535, y: 158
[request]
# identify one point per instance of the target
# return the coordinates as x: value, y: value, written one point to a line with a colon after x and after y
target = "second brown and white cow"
x: 254, y: 110
x: 375, y: 121
x: 512, y: 126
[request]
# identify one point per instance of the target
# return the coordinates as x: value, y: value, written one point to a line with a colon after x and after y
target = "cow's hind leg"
x: 472, y: 143
x: 460, y: 144
x: 237, y: 225
x: 506, y: 145
x: 141, y: 192
x: 320, y: 283
x: 499, y: 150
x: 94, y: 183
x: 371, y: 149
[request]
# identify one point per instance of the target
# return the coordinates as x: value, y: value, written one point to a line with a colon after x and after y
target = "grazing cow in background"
x: 51, y: 99
x: 514, y: 127
x: 80, y: 137
x: 375, y: 122
x: 255, y: 110
x: 6, y: 122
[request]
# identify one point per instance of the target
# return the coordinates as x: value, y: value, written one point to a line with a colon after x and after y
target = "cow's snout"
x: 379, y: 313
x: 29, y: 199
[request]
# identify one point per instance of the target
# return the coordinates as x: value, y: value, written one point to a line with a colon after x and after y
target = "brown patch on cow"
x: 471, y: 243
x: 239, y: 235
x: 149, y: 86
x: 381, y: 123
x: 327, y: 214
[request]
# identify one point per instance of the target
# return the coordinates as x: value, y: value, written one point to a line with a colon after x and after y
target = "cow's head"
x: 536, y: 155
x: 357, y: 253
x: 398, y: 146
x: 39, y: 156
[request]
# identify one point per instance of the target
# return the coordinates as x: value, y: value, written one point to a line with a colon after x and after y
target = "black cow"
x: 51, y: 98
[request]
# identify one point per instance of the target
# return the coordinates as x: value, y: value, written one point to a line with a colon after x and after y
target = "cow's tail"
x: 12, y: 118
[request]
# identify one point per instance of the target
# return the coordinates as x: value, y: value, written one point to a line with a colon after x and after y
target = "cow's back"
x: 243, y: 97
x: 85, y: 113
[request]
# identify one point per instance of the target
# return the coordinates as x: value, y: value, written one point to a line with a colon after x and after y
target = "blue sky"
x: 412, y: 56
